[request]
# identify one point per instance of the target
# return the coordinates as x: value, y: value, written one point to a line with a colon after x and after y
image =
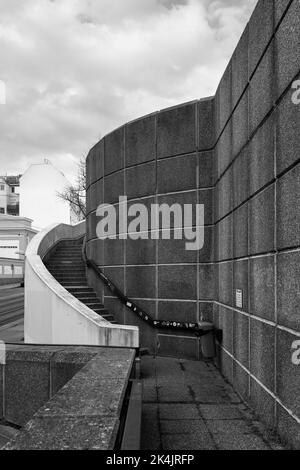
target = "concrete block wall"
x: 257, y: 219
x: 162, y: 158
x: 238, y: 153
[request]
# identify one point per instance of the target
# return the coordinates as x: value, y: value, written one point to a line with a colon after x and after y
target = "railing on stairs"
x: 200, y: 329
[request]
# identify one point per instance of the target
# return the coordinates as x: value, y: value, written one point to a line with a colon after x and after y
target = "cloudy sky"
x: 76, y: 69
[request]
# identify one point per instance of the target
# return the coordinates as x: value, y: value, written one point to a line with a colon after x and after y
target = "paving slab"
x: 194, y: 408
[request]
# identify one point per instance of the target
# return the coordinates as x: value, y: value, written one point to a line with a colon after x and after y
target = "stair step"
x: 69, y: 285
x: 63, y: 274
x: 86, y: 299
x: 109, y: 318
x: 67, y: 271
x: 93, y: 305
x: 66, y: 264
x: 68, y: 268
x: 102, y: 311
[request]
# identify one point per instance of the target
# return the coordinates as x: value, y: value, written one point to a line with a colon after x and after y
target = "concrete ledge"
x: 85, y: 413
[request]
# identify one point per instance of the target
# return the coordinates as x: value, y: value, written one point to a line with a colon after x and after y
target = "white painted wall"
x: 9, y: 248
x: 39, y: 186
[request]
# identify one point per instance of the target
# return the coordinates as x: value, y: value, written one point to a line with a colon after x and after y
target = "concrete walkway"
x: 11, y: 323
x: 187, y: 405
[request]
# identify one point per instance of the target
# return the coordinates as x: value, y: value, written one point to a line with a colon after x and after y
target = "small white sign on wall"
x: 239, y: 298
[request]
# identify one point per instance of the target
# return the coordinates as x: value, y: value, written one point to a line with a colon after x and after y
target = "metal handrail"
x: 196, y: 328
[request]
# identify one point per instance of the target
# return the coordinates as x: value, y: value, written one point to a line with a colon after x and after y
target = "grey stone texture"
x: 140, y: 146
x: 262, y: 350
x: 288, y: 289
x: 287, y: 128
x: 96, y: 195
x: 224, y: 234
x: 225, y: 194
x: 241, y: 328
x: 241, y: 178
x: 223, y: 101
x: 113, y: 188
x: 177, y: 282
x: 226, y: 283
x: 176, y: 131
x: 174, y: 251
x: 240, y: 231
x: 261, y: 27
x: 1, y: 390
x: 140, y: 251
x: 140, y: 180
x: 280, y: 9
x: 99, y: 160
x: 177, y: 310
x: 67, y: 433
x: 84, y: 410
x: 240, y: 67
x: 113, y: 252
x: 261, y: 94
x: 206, y: 132
x: 206, y: 174
x: 288, y: 381
x: 288, y: 214
x: 261, y: 161
x: 141, y: 282
x: 240, y: 282
x: 240, y: 378
x: 240, y: 125
x: 226, y: 324
x: 116, y: 275
x: 240, y: 149
x: 262, y: 222
x: 188, y: 347
x: 27, y: 384
x: 184, y: 174
x: 224, y: 149
x: 206, y: 281
x: 114, y: 151
x: 262, y: 287
x: 288, y: 429
x: 263, y: 403
x: 287, y: 43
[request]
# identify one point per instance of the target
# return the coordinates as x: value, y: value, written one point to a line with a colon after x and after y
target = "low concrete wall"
x: 73, y: 396
x: 53, y: 315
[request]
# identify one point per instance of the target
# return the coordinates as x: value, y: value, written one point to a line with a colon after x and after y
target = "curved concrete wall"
x: 162, y: 158
x: 52, y: 314
x: 243, y: 145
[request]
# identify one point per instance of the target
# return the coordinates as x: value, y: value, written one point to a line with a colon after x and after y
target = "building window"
x: 2, y: 210
x: 13, y: 189
x: 2, y: 187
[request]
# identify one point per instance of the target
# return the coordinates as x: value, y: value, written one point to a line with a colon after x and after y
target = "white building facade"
x: 9, y: 195
x: 15, y: 235
x: 39, y: 188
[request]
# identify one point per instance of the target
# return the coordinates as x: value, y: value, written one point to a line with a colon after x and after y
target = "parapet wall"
x: 237, y: 153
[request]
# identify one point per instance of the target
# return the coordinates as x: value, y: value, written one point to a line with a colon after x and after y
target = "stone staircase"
x: 68, y: 268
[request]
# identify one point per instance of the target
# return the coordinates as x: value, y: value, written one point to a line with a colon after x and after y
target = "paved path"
x: 187, y: 405
x: 11, y: 322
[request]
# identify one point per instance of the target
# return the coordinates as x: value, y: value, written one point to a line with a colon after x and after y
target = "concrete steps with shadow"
x: 67, y: 266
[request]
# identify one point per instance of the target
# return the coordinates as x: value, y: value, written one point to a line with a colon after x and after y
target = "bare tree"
x: 75, y: 194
